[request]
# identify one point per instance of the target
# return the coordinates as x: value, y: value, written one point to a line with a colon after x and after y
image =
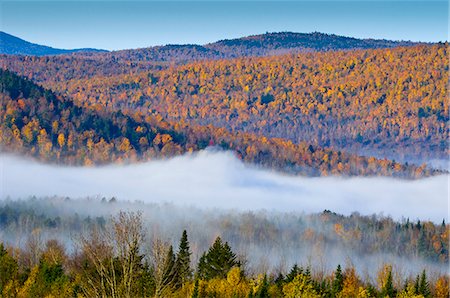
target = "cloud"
x: 212, y: 179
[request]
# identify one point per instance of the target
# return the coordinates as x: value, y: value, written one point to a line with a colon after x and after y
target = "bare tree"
x: 163, y: 268
x: 114, y: 255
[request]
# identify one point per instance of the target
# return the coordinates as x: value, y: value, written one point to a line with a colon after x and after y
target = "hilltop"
x: 13, y: 45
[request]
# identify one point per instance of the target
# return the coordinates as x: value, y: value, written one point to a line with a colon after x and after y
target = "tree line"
x: 116, y: 262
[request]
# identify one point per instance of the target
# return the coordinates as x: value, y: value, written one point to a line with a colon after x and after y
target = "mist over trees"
x: 115, y: 259
x: 284, y: 103
x: 267, y: 238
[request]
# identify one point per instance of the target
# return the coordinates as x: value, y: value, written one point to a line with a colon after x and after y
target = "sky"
x: 114, y: 25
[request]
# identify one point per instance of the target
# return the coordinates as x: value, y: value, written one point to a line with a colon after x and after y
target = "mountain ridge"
x: 253, y: 45
x: 13, y: 45
x: 38, y: 123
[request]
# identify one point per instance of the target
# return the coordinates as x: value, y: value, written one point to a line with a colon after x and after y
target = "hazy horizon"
x: 121, y: 25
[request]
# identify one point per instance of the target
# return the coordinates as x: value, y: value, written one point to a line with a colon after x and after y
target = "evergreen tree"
x: 424, y: 287
x: 183, y: 261
x: 195, y: 293
x: 422, y: 246
x: 217, y: 261
x: 371, y: 291
x: 416, y: 285
x: 263, y: 290
x: 279, y: 280
x: 308, y: 274
x: 388, y: 287
x: 338, y: 282
x: 8, y: 267
x: 168, y: 281
x: 293, y: 273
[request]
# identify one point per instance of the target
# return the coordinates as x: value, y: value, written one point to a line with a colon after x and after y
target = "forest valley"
x: 328, y: 113
x: 311, y: 105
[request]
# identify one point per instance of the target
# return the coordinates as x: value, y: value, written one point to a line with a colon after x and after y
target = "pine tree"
x: 195, y: 291
x: 388, y: 287
x: 169, y: 273
x: 183, y: 261
x: 8, y: 267
x: 308, y: 274
x: 422, y: 245
x: 279, y: 280
x: 217, y: 261
x: 424, y: 287
x: 201, y: 267
x: 338, y: 282
x: 293, y: 273
x: 416, y: 285
x: 263, y: 290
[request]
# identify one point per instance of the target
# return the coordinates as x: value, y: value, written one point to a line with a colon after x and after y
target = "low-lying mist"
x: 212, y: 179
x: 268, y: 241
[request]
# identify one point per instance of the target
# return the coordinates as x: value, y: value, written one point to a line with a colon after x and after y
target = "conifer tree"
x: 195, y: 293
x: 424, y: 287
x: 8, y: 267
x: 338, y: 282
x: 388, y: 287
x: 263, y: 290
x: 169, y: 273
x: 183, y: 261
x: 279, y: 280
x: 217, y: 261
x: 416, y: 285
x: 293, y: 273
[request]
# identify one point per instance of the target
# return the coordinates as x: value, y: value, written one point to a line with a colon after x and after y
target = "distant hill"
x: 13, y: 45
x: 282, y: 42
x: 256, y: 45
x: 36, y: 122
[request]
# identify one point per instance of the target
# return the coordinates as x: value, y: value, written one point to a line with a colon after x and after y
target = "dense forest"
x: 38, y: 123
x: 284, y: 42
x: 386, y: 103
x: 118, y: 257
x: 305, y: 104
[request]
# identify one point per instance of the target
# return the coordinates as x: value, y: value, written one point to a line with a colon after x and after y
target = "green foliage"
x: 338, y: 281
x: 50, y: 278
x: 183, y: 261
x: 169, y: 277
x: 8, y: 267
x: 263, y: 289
x: 424, y: 287
x: 388, y: 288
x: 195, y: 293
x: 295, y: 270
x: 67, y: 278
x: 217, y: 261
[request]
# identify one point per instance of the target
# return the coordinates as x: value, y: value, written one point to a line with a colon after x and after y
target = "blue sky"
x: 132, y: 24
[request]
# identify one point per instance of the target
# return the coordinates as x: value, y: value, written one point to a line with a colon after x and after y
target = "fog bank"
x: 219, y: 180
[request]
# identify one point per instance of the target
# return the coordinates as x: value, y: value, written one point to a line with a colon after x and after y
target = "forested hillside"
x: 283, y: 42
x: 305, y: 112
x: 85, y: 64
x: 38, y: 123
x: 386, y: 103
